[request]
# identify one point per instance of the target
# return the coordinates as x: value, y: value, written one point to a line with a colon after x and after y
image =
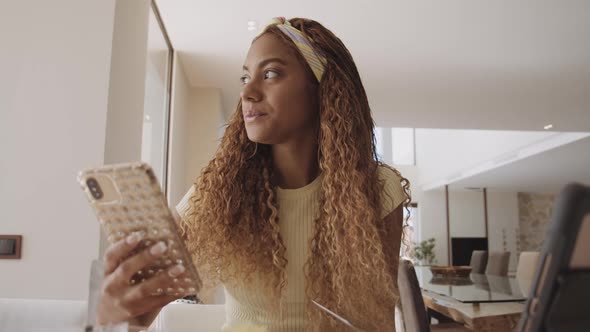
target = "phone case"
x: 127, y: 198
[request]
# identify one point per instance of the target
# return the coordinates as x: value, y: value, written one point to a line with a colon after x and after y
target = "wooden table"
x: 485, y: 317
x: 481, y: 303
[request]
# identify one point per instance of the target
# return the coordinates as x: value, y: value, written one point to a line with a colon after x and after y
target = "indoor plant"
x: 424, y: 252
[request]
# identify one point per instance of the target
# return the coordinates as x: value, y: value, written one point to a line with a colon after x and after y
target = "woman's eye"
x: 267, y: 74
x: 270, y: 74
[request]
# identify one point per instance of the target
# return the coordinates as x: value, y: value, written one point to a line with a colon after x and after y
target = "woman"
x: 294, y: 206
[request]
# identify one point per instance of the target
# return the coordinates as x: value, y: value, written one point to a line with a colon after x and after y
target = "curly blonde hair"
x: 232, y: 225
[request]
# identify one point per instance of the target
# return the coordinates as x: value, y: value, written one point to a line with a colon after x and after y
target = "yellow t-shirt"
x: 298, y: 207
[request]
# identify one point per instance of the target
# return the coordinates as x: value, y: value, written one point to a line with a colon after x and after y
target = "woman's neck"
x: 295, y: 164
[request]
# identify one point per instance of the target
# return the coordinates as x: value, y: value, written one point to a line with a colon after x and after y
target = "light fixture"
x: 251, y: 25
x: 547, y: 127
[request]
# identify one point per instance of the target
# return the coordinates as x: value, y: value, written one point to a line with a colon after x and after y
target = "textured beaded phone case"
x: 127, y: 198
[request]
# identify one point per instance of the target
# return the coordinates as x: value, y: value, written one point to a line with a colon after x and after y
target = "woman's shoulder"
x: 393, y: 193
x: 387, y: 173
x: 183, y: 206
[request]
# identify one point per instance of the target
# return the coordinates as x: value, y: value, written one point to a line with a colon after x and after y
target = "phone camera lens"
x: 94, y: 188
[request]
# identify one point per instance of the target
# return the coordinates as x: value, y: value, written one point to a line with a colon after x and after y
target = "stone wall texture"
x: 534, y: 212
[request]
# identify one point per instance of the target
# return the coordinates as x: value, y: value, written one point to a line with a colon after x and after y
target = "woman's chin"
x: 260, y: 138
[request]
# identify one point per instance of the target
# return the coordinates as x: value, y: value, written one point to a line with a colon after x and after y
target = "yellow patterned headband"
x: 316, y: 61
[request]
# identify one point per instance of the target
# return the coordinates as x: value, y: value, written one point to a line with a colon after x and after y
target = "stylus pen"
x: 344, y: 321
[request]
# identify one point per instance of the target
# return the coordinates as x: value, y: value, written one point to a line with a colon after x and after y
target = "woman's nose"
x: 250, y: 92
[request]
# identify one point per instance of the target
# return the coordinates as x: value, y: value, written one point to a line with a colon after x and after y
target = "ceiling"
x: 457, y: 64
x: 465, y: 64
x: 544, y: 172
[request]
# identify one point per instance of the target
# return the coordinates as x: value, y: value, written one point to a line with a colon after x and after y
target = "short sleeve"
x: 183, y: 205
x: 393, y: 193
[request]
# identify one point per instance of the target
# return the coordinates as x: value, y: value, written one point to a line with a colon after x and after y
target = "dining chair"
x: 500, y: 284
x: 413, y: 309
x: 498, y: 263
x: 479, y: 261
x: 480, y: 281
x: 525, y: 271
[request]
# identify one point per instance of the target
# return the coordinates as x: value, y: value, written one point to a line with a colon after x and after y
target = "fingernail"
x: 158, y: 248
x: 176, y: 271
x: 132, y: 239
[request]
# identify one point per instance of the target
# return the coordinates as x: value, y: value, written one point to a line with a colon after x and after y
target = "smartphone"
x: 561, y: 286
x: 127, y: 198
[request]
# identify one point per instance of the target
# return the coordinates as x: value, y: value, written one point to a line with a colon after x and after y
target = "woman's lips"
x: 252, y: 116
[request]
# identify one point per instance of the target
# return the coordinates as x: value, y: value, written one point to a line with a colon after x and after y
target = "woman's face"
x: 279, y: 95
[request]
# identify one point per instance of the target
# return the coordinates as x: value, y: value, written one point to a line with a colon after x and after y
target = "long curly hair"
x: 232, y: 225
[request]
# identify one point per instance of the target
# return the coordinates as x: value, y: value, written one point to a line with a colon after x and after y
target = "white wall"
x: 195, y: 124
x: 443, y: 153
x: 54, y: 82
x: 203, y: 133
x: 433, y: 222
x: 466, y: 215
x: 177, y: 185
x: 127, y: 82
x: 72, y: 89
x: 503, y: 220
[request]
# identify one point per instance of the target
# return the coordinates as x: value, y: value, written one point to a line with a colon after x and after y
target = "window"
x: 411, y: 231
x: 403, y: 146
x: 396, y: 146
x: 379, y: 139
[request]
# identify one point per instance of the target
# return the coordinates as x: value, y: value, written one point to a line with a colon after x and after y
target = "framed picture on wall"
x: 10, y: 246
